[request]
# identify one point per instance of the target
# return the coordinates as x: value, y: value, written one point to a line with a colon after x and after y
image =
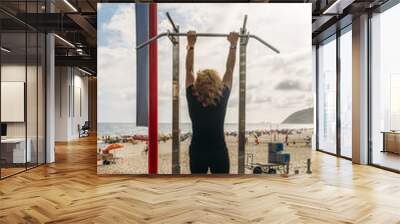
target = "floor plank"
x: 70, y: 191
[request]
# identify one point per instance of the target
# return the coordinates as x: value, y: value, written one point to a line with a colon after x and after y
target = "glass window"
x: 346, y: 93
x: 14, y: 150
x: 22, y: 92
x: 327, y: 96
x: 385, y: 84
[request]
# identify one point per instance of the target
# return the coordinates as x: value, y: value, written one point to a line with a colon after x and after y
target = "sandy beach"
x: 132, y: 158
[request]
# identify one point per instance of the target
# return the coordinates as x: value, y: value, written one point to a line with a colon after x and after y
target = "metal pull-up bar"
x: 174, y: 37
x: 207, y: 35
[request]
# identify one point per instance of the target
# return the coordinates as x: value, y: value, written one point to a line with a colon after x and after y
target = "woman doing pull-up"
x: 207, y: 96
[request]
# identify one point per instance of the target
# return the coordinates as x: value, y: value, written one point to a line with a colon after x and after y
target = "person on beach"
x: 287, y: 139
x: 207, y: 97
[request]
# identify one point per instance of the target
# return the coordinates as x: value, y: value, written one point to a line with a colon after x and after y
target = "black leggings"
x: 217, y: 160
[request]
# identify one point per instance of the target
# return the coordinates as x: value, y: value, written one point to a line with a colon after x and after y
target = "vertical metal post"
x: 242, y: 101
x: 309, y: 166
x: 317, y: 97
x: 287, y: 168
x: 176, y: 169
x: 338, y: 98
x: 369, y: 89
x: 1, y: 164
x: 153, y: 93
x: 26, y: 89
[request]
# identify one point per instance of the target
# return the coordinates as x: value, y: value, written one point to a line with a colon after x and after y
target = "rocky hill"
x: 305, y: 116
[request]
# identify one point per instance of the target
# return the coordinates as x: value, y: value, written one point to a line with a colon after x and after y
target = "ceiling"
x: 329, y: 16
x: 74, y: 22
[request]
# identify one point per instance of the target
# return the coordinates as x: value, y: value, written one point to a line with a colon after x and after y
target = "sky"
x: 277, y: 84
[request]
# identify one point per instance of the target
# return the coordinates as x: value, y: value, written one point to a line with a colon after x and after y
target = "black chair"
x: 84, y: 130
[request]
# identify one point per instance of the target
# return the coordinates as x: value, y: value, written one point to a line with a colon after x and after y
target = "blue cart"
x: 278, y: 162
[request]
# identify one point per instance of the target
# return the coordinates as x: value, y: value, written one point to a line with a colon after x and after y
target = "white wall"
x: 62, y: 81
x: 33, y: 126
x: 79, y: 117
x: 70, y: 83
x: 17, y: 73
x: 12, y: 73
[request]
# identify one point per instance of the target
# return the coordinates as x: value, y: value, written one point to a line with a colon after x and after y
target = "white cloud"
x: 117, y: 68
x: 122, y: 25
x: 286, y: 26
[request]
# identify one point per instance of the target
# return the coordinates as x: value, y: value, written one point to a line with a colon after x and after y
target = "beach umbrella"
x: 110, y: 147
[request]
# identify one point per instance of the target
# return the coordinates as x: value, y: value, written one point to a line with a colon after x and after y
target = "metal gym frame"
x: 174, y: 37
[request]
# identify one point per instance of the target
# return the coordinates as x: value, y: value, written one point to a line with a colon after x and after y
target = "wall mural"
x: 216, y: 114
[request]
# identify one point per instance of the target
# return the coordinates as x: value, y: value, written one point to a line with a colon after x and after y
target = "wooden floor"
x: 69, y: 191
x: 5, y: 172
x: 387, y: 159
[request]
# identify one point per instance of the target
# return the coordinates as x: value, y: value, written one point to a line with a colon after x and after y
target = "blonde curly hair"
x: 208, y: 87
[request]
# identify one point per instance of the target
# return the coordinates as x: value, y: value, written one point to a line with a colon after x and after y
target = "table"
x: 391, y: 141
x: 13, y: 150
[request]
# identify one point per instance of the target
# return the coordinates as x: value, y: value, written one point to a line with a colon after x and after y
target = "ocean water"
x: 117, y: 129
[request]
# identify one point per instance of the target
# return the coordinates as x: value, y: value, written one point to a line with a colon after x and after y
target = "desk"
x: 13, y: 150
x: 391, y: 141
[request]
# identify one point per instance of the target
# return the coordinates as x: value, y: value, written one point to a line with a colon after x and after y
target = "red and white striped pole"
x: 153, y: 93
